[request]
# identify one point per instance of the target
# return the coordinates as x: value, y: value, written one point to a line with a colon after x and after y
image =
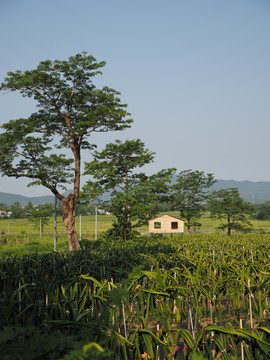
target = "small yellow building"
x: 166, y: 224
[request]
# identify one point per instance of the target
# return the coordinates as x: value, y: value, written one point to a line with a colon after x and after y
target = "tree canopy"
x: 189, y: 195
x: 262, y: 211
x: 227, y: 205
x: 70, y: 108
x: 133, y: 194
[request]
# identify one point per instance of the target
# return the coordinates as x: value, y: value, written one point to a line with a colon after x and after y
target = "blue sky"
x: 195, y: 75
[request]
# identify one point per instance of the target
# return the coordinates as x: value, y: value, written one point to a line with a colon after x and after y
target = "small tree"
x: 133, y: 194
x: 189, y: 195
x: 39, y: 218
x: 17, y: 211
x: 262, y: 211
x: 226, y: 204
x: 29, y: 207
x: 70, y: 109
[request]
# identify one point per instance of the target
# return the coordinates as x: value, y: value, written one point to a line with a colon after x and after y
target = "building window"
x: 174, y: 225
x: 157, y: 225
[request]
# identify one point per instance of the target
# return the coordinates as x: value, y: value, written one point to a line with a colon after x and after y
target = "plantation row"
x: 199, y: 297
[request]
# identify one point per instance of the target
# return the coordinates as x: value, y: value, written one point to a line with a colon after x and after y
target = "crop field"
x: 204, y: 296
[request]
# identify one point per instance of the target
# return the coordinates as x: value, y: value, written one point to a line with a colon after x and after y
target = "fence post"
x: 96, y: 223
x: 55, y: 223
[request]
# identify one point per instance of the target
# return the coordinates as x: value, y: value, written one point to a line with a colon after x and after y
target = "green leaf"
x: 238, y: 332
x: 91, y: 345
x: 154, y: 292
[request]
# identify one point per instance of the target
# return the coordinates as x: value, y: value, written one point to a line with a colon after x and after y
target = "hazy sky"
x: 194, y: 73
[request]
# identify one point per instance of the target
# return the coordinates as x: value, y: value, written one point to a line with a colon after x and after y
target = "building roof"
x: 165, y: 215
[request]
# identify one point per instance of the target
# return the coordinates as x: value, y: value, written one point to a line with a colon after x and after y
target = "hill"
x: 10, y: 199
x: 256, y: 192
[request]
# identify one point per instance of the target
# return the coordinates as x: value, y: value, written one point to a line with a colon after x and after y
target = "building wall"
x: 166, y: 225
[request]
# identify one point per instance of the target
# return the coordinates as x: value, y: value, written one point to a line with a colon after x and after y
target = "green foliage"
x: 17, y: 212
x: 39, y: 218
x: 228, y: 205
x: 134, y: 195
x: 70, y: 108
x: 189, y: 195
x: 84, y: 208
x: 33, y: 343
x: 30, y: 342
x: 107, y: 301
x: 262, y: 211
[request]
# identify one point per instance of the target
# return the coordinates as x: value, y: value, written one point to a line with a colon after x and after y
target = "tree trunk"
x: 69, y: 222
x: 229, y: 227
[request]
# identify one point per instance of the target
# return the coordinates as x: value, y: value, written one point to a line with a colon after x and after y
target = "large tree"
x: 189, y: 195
x: 227, y: 205
x: 134, y: 195
x: 70, y: 108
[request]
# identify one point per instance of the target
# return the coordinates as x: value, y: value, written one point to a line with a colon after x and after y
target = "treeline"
x: 18, y: 211
x: 262, y: 211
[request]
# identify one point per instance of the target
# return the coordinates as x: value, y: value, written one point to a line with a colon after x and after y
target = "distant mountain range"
x: 10, y: 199
x: 256, y: 192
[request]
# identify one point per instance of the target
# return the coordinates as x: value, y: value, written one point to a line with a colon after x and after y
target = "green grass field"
x: 20, y: 236
x: 87, y: 225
